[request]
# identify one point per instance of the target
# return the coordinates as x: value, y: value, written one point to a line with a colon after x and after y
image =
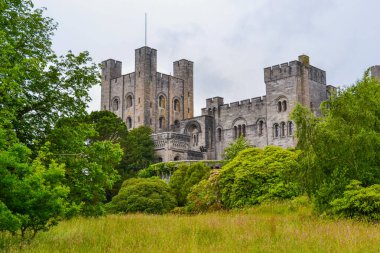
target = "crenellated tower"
x: 183, y: 69
x: 111, y: 69
x: 145, y: 88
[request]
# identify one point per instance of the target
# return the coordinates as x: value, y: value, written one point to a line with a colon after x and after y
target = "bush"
x: 186, y: 177
x: 256, y: 175
x: 358, y: 202
x: 205, y: 196
x: 142, y: 195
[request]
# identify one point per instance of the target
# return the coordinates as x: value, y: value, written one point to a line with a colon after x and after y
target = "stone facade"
x: 165, y: 103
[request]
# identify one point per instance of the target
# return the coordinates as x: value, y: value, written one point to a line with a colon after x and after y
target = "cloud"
x: 229, y: 41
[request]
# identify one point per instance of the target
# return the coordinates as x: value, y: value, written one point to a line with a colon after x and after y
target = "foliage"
x: 185, y: 177
x: 149, y: 195
x: 90, y: 165
x: 163, y: 169
x: 234, y: 148
x: 256, y: 175
x: 37, y: 86
x: 358, y: 202
x: 32, y: 196
x: 205, y: 196
x: 344, y: 145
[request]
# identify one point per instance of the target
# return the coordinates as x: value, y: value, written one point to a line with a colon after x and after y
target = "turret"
x: 184, y: 69
x: 111, y: 69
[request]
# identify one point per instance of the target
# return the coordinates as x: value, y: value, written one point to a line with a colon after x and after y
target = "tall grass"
x: 269, y: 228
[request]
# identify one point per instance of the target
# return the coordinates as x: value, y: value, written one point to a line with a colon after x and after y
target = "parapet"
x: 294, y: 68
x: 214, y: 102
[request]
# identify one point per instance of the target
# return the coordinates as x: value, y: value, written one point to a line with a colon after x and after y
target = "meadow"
x: 268, y: 228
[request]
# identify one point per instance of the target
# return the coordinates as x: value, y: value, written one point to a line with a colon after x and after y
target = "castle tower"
x: 145, y: 88
x: 110, y: 69
x: 184, y: 69
x: 286, y: 85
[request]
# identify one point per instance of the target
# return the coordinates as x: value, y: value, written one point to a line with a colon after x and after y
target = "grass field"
x: 269, y: 228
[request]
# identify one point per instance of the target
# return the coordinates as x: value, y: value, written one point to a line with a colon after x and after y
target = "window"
x: 279, y: 106
x: 290, y: 128
x: 275, y: 131
x: 219, y: 131
x: 129, y: 101
x: 161, y: 122
x: 161, y: 101
x: 176, y: 158
x: 213, y: 111
x: 284, y: 105
x: 115, y: 104
x: 282, y: 129
x: 235, y: 132
x: 129, y: 122
x: 176, y: 123
x: 261, y: 127
x: 177, y: 106
x: 159, y: 159
x: 243, y: 130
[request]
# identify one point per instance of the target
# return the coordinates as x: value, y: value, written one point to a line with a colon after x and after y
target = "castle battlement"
x: 283, y: 70
x: 237, y: 104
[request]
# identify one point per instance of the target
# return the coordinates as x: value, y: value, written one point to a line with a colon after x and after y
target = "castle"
x: 166, y: 103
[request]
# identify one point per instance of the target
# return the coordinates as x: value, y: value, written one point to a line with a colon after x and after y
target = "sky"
x: 229, y: 41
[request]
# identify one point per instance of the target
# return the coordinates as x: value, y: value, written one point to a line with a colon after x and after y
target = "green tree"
x: 37, y: 87
x: 234, y: 148
x: 148, y: 195
x: 343, y: 145
x: 139, y: 149
x: 32, y: 195
x: 256, y: 175
x: 90, y: 165
x: 185, y: 177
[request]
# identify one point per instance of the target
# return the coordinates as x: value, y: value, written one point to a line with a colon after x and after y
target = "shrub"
x: 358, y: 202
x: 256, y: 175
x: 205, y: 196
x: 186, y: 177
x: 149, y: 195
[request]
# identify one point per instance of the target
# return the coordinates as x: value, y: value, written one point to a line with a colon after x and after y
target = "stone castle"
x: 166, y: 104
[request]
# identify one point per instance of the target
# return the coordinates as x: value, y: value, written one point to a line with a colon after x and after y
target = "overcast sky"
x: 229, y: 41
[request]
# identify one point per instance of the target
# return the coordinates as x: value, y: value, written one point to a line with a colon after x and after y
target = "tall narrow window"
x: 290, y: 128
x: 279, y: 106
x: 177, y: 106
x: 235, y: 132
x: 115, y: 104
x: 129, y: 101
x: 219, y: 131
x: 239, y: 127
x: 129, y: 122
x: 282, y: 129
x: 275, y: 131
x: 284, y: 105
x: 161, y: 122
x: 243, y: 130
x: 261, y: 127
x: 161, y: 101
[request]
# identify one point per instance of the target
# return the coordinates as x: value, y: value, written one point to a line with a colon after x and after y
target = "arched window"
x: 115, y: 104
x: 159, y: 159
x: 284, y: 105
x: 239, y: 127
x: 129, y: 122
x: 235, y: 132
x: 243, y: 130
x: 219, y: 131
x: 290, y: 128
x: 279, y: 106
x: 213, y: 111
x: 161, y: 122
x: 261, y: 127
x: 177, y: 106
x: 129, y: 101
x: 282, y: 129
x: 161, y: 101
x: 176, y: 158
x: 276, y: 131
